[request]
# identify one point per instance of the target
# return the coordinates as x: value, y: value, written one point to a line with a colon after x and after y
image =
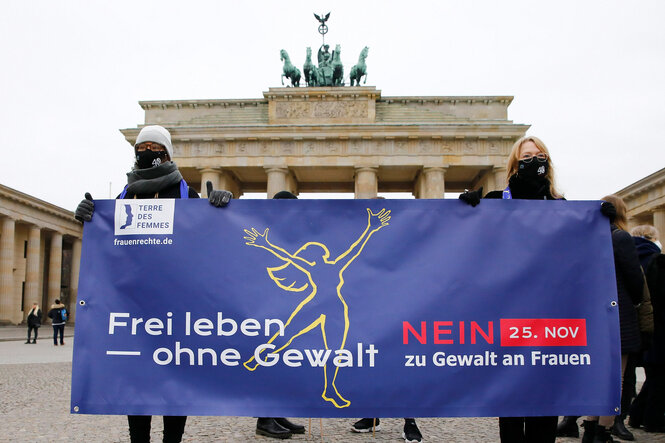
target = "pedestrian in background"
x: 34, y: 322
x: 630, y: 286
x: 58, y: 316
x: 648, y: 409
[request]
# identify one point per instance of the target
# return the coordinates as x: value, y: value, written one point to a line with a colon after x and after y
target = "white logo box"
x: 145, y: 216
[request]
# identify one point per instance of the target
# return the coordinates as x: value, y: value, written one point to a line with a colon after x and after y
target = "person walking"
x: 34, y: 322
x: 154, y: 175
x: 58, y: 315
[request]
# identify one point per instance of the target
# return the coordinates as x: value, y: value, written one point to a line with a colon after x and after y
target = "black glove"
x: 218, y: 198
x: 472, y: 197
x: 608, y: 210
x: 85, y: 209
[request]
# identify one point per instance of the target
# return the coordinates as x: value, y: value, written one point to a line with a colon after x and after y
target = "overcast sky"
x: 586, y: 75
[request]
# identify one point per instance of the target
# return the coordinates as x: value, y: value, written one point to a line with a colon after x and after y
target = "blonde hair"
x: 514, y: 160
x: 621, y: 219
x: 647, y: 231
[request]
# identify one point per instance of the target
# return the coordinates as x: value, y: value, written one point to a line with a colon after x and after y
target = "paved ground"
x: 34, y: 407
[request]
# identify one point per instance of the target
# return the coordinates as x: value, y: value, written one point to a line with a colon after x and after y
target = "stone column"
x: 292, y: 184
x: 211, y: 175
x: 8, y: 307
x: 54, y: 268
x: 432, y: 183
x: 229, y: 183
x: 32, y: 267
x: 659, y: 223
x: 74, y: 288
x: 500, y: 181
x: 277, y: 180
x: 367, y: 183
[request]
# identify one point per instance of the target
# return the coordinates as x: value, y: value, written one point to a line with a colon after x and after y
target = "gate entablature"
x: 339, y: 139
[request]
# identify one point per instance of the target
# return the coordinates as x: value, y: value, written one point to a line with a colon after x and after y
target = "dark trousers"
x: 33, y: 328
x: 58, y: 329
x: 528, y: 429
x: 139, y: 428
x: 628, y: 391
x: 649, y: 405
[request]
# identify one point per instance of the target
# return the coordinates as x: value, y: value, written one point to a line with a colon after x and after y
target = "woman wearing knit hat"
x: 155, y: 175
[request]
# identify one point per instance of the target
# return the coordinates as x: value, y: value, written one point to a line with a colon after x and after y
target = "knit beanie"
x: 156, y: 134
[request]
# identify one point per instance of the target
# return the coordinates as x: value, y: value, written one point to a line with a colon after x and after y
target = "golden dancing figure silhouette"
x: 325, y: 277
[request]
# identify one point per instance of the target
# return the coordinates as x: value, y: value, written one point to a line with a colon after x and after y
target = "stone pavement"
x: 35, y: 385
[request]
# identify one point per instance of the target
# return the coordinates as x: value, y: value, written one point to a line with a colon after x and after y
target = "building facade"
x: 40, y: 252
x: 344, y: 140
x: 348, y: 139
x: 645, y: 200
x: 320, y: 140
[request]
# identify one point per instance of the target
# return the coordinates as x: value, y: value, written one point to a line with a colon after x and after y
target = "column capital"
x: 274, y: 168
x: 435, y: 168
x: 209, y: 170
x: 367, y: 168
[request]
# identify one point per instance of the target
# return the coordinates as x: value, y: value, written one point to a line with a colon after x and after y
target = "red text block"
x: 543, y: 332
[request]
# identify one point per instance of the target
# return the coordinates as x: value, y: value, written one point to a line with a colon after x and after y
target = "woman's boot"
x: 568, y: 427
x: 619, y: 429
x: 603, y: 435
x: 589, y: 431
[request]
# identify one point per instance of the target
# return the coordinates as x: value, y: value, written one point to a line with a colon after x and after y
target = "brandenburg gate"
x: 339, y: 139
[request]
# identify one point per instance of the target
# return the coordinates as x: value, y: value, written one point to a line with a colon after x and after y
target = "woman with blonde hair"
x: 34, y: 322
x: 530, y: 176
x: 530, y: 165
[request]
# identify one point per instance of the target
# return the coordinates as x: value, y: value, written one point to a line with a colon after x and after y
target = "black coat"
x: 55, y: 314
x: 35, y: 320
x: 655, y: 273
x: 630, y: 284
x: 524, y: 190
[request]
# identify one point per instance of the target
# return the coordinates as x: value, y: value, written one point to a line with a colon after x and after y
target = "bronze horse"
x: 289, y: 71
x: 359, y: 70
x: 338, y: 68
x: 310, y: 70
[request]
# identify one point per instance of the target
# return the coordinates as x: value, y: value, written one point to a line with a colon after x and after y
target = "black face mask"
x: 533, y: 170
x: 148, y: 159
